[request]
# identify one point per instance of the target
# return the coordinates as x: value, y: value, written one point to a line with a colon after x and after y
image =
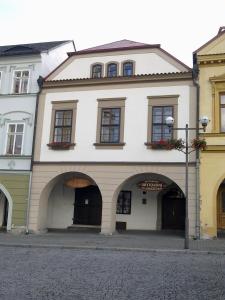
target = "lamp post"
x: 170, y: 122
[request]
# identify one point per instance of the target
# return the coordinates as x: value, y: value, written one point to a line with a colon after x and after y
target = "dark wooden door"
x: 5, y: 216
x: 87, y: 206
x: 173, y: 210
x: 221, y: 209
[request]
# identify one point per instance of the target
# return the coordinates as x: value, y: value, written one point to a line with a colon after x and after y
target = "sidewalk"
x: 141, y: 241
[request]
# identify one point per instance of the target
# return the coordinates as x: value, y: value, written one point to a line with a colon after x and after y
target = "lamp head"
x: 169, y: 121
x: 204, y: 122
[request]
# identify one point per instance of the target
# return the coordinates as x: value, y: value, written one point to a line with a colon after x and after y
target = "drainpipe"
x: 40, y: 83
x: 198, y: 207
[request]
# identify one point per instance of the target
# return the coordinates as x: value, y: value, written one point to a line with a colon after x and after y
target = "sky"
x: 180, y: 26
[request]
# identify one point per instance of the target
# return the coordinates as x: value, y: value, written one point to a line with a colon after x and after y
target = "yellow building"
x: 210, y: 60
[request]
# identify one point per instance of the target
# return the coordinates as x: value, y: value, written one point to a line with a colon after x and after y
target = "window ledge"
x: 109, y: 145
x: 61, y: 146
x: 157, y: 146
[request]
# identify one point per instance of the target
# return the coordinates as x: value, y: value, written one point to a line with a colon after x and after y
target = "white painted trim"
x: 28, y: 82
x: 15, y: 123
x: 10, y: 202
x: 0, y: 80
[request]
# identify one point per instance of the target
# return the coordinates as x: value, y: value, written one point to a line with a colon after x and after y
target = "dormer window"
x: 97, y: 71
x: 128, y: 68
x: 112, y: 70
x: 20, y: 82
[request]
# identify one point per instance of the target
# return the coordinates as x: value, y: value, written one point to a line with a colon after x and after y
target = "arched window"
x: 112, y: 70
x: 128, y: 68
x: 97, y: 71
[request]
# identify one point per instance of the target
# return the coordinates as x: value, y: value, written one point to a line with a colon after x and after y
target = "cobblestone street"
x: 90, y: 274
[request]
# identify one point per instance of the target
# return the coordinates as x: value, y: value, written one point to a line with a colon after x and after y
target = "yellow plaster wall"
x: 212, y: 173
x: 212, y: 161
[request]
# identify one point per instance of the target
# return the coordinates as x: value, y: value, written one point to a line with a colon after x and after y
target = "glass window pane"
x: 157, y: 119
x: 222, y: 119
x: 115, y: 116
x: 19, y: 128
x: 24, y: 85
x: 157, y: 111
x: 128, y: 69
x: 106, y: 116
x: 10, y: 142
x: 222, y: 99
x: 16, y: 86
x: 12, y: 128
x: 58, y: 135
x: 105, y: 134
x: 112, y: 70
x: 18, y: 144
x: 25, y: 74
x: 114, y: 134
x: 17, y: 74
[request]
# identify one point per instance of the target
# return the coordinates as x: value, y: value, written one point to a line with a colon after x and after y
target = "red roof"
x: 118, y: 45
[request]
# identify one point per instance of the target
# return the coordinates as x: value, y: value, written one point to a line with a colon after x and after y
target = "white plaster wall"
x: 60, y: 207
x: 17, y: 109
x: 135, y: 132
x: 143, y: 216
x: 145, y: 63
x: 52, y: 58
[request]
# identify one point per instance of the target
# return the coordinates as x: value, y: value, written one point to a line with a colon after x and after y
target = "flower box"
x: 199, y: 144
x: 60, y: 145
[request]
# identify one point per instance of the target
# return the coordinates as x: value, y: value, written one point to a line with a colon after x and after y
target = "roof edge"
x: 80, y: 52
x: 220, y: 33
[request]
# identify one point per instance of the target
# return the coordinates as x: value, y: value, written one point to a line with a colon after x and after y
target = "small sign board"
x: 151, y: 185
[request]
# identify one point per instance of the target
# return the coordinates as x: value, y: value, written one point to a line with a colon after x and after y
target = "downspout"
x: 40, y: 82
x: 198, y: 205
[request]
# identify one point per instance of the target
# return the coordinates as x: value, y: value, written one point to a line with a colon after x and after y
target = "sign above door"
x: 151, y: 185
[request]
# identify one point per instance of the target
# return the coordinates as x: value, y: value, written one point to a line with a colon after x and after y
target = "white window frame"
x: 7, y: 131
x: 28, y: 82
x: 0, y: 79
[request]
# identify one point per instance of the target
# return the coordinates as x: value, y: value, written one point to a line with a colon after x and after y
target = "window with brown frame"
x: 124, y: 203
x: 160, y: 131
x: 128, y: 68
x: 63, y: 126
x: 110, y: 125
x: 112, y: 70
x: 97, y: 71
x: 222, y: 113
x: 159, y: 108
x: 63, y: 123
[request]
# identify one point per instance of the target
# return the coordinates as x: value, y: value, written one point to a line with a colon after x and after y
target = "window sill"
x: 61, y: 146
x: 109, y: 145
x: 157, y: 146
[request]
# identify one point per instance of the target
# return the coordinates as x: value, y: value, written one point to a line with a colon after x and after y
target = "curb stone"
x: 81, y: 247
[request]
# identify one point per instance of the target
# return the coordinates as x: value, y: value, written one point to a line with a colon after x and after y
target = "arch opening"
x: 220, y: 210
x: 70, y: 200
x: 149, y: 201
x: 5, y: 209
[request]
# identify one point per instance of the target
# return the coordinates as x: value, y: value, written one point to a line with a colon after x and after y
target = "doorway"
x: 221, y: 209
x: 87, y: 206
x: 173, y: 210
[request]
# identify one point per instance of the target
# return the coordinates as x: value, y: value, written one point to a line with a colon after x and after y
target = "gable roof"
x: 116, y: 46
x: 219, y: 34
x: 27, y: 49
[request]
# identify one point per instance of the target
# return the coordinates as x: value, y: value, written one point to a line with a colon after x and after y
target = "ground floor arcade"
x: 111, y: 196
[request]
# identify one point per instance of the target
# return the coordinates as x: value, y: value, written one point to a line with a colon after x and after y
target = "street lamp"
x: 170, y: 122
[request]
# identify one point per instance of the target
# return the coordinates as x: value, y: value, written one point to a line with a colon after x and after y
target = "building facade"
x: 20, y: 68
x: 210, y: 61
x: 100, y: 158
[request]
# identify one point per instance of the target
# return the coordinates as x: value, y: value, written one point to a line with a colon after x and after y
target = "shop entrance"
x: 173, y: 210
x: 87, y: 206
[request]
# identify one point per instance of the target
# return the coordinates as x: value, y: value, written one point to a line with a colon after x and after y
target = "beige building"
x: 100, y: 151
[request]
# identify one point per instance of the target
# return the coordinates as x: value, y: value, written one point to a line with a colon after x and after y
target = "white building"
x: 20, y: 68
x: 101, y: 116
